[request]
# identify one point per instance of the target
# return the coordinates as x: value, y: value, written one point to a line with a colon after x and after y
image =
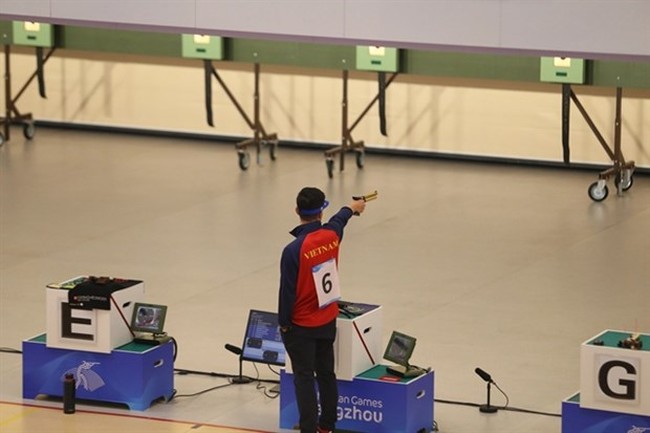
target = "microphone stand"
x: 241, y: 379
x: 487, y: 408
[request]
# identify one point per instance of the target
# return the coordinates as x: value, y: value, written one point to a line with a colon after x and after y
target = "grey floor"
x: 506, y: 268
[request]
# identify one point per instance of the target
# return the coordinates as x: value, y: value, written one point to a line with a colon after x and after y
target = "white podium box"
x: 614, y: 378
x: 90, y: 329
x: 358, y: 345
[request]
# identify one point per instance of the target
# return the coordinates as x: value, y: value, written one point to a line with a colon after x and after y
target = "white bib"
x: 326, y: 280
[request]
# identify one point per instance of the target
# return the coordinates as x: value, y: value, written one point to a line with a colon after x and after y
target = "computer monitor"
x: 400, y: 348
x: 148, y: 318
x: 262, y: 341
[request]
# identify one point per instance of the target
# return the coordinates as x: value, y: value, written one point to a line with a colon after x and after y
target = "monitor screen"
x: 148, y: 318
x: 400, y: 348
x: 262, y: 341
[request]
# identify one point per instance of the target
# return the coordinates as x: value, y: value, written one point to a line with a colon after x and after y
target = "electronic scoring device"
x: 147, y: 323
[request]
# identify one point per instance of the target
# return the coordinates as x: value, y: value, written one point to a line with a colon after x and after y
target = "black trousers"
x: 311, y: 351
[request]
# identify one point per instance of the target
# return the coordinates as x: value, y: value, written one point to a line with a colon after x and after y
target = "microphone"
x: 486, y: 408
x: 484, y: 375
x: 234, y: 349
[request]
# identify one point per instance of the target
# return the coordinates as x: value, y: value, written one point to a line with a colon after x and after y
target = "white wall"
x: 577, y: 28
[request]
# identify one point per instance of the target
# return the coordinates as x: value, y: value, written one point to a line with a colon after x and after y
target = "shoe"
x: 322, y: 430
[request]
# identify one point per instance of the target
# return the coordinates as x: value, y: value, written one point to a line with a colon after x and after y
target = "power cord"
x: 272, y: 392
x: 504, y: 394
x: 513, y: 409
x: 182, y: 371
x: 535, y: 412
x: 268, y: 393
x: 200, y: 392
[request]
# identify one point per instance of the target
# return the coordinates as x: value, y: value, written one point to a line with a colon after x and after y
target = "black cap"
x: 311, y: 201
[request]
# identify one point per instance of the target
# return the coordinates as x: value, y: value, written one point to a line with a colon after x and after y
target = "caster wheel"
x: 596, y: 193
x: 626, y: 181
x: 29, y: 130
x: 329, y: 163
x: 244, y: 160
x: 2, y: 139
x: 361, y: 157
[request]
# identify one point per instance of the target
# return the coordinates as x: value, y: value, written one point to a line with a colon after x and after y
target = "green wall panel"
x: 464, y: 65
x: 6, y: 32
x: 621, y: 74
x: 119, y: 41
x: 292, y: 54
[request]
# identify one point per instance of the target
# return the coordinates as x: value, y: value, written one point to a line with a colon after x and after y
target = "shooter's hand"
x: 360, y: 202
x: 357, y: 206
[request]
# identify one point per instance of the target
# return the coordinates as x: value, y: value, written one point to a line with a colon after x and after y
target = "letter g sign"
x: 618, y: 379
x: 615, y: 379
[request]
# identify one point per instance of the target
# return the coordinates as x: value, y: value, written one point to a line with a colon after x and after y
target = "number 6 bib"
x: 326, y: 279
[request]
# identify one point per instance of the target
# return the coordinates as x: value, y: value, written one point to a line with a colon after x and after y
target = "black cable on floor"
x: 535, y: 412
x: 513, y: 409
x: 460, y: 403
x: 183, y: 371
x: 201, y: 392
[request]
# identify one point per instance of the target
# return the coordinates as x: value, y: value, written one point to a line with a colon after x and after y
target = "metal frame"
x: 621, y: 170
x: 12, y: 114
x: 347, y: 142
x: 260, y: 137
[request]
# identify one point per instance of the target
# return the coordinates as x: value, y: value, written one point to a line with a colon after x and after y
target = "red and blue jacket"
x: 315, y: 243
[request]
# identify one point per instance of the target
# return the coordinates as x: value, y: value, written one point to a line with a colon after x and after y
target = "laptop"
x: 147, y: 323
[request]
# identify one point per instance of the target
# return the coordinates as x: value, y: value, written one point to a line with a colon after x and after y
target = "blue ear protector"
x: 310, y: 212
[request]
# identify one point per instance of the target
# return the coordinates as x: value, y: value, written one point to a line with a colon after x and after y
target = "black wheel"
x: 627, y: 180
x: 329, y: 163
x: 244, y: 160
x: 361, y: 157
x: 272, y: 148
x: 29, y: 130
x: 596, y: 193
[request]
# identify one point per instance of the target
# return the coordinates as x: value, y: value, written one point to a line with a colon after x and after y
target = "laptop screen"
x: 148, y: 318
x: 400, y: 348
x: 262, y: 341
